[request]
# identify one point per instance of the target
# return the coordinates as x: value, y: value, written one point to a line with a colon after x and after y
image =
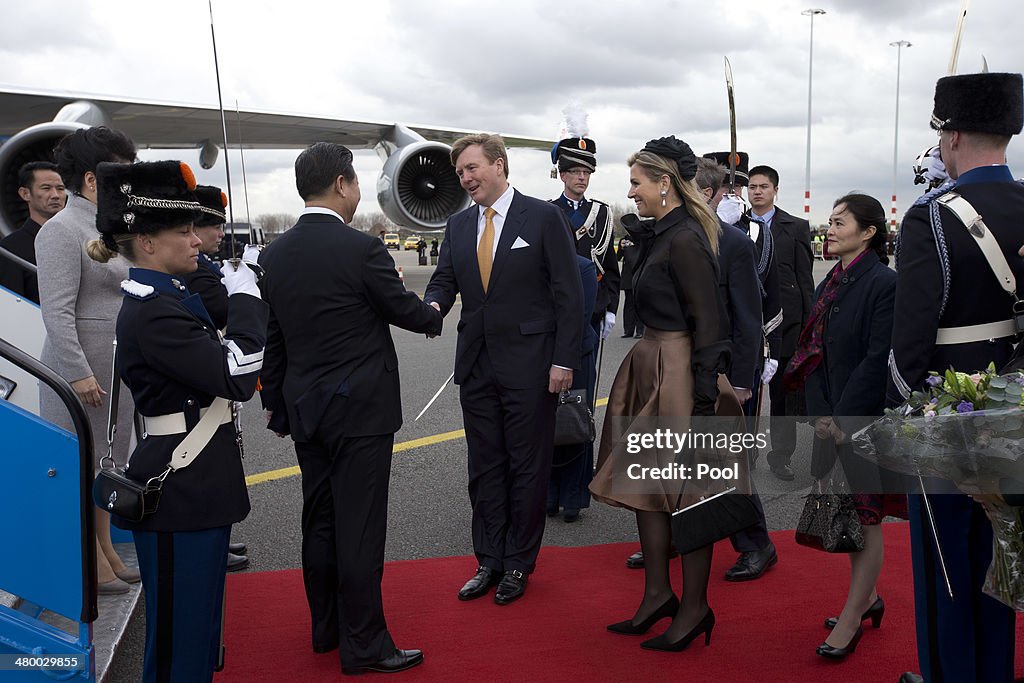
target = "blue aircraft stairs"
x: 47, y: 557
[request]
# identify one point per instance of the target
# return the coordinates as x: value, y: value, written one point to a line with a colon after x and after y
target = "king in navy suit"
x: 512, y: 260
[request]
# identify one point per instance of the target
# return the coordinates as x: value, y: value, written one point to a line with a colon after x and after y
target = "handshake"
x: 437, y: 307
x: 241, y: 277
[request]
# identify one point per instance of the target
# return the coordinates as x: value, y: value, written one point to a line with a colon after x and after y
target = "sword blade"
x: 436, y: 394
x: 730, y: 89
x: 958, y: 36
x: 935, y: 536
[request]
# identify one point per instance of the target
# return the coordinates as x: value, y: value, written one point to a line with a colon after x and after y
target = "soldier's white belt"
x: 975, y: 333
x: 174, y: 423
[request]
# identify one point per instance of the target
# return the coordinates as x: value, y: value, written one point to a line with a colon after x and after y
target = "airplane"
x: 417, y: 187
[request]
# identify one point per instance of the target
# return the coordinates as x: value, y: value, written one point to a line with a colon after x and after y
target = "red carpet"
x: 767, y: 630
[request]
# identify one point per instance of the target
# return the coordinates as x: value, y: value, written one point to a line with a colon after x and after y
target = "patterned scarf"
x: 810, y: 349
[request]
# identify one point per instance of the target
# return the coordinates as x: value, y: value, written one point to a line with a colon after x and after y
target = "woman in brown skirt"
x: 670, y: 375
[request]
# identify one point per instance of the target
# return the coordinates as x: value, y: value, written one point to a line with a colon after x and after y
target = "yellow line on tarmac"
x: 286, y: 472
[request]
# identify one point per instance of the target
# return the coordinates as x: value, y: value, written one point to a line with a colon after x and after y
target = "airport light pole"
x: 899, y: 45
x: 810, y: 73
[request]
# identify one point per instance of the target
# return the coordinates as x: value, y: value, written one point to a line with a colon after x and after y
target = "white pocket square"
x: 520, y: 243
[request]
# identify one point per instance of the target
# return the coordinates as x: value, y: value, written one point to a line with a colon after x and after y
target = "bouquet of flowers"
x: 969, y: 430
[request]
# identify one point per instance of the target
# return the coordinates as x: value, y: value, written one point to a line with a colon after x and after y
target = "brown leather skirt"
x: 654, y: 381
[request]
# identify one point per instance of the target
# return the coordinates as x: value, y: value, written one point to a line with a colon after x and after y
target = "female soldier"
x: 182, y: 377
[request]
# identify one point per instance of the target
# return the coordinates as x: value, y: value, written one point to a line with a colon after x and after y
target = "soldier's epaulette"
x: 137, y: 290
x: 927, y: 197
x: 598, y: 201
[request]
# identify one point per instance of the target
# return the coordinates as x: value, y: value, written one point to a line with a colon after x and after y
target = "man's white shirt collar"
x: 321, y: 210
x: 501, y: 204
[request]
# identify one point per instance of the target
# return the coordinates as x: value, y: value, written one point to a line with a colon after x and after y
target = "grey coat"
x: 80, y: 299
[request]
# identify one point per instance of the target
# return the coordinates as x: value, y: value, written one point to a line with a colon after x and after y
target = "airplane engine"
x: 35, y: 143
x: 418, y: 187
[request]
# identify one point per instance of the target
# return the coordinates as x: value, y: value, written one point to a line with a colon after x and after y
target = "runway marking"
x: 286, y: 472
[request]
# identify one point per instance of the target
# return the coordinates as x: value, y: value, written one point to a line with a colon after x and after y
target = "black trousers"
x: 510, y: 435
x: 785, y: 404
x: 344, y: 525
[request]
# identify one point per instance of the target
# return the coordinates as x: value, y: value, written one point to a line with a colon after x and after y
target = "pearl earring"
x: 664, y: 193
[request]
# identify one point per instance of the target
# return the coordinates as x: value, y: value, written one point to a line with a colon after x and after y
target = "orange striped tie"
x: 485, y: 250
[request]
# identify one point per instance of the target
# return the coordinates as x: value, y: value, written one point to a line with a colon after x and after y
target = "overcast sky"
x: 641, y: 70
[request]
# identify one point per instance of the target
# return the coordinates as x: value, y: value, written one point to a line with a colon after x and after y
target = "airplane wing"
x: 165, y: 125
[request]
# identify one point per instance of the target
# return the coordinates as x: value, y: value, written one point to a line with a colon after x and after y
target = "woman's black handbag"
x: 574, y: 423
x: 712, y: 519
x: 829, y: 522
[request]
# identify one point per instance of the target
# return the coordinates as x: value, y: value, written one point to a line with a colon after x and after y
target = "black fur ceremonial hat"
x: 572, y: 152
x: 979, y: 103
x: 742, y: 165
x: 144, y: 197
x: 212, y: 203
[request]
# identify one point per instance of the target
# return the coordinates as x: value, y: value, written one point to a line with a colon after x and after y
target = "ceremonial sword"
x: 436, y: 394
x: 958, y: 35
x: 732, y: 126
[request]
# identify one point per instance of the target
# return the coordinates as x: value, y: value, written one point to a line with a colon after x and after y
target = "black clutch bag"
x: 119, y: 495
x: 574, y: 423
x: 712, y: 519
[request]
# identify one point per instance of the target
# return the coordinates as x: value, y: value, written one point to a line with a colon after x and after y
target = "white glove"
x: 731, y: 208
x: 239, y: 281
x: 607, y: 325
x: 770, y: 367
x: 251, y: 254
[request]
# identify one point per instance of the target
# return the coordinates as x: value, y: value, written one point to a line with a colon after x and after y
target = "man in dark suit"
x: 795, y: 259
x: 40, y: 187
x: 939, y: 325
x: 512, y: 260
x: 330, y: 379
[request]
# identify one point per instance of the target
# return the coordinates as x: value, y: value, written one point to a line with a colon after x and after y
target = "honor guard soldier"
x: 953, y: 311
x: 730, y: 209
x: 575, y: 160
x: 206, y: 282
x: 182, y: 378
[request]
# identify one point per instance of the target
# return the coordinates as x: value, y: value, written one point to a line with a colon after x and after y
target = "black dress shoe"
x: 571, y: 516
x: 783, y: 472
x: 628, y: 628
x: 752, y: 565
x: 399, y: 660
x: 638, y: 335
x: 911, y: 677
x: 874, y: 613
x: 237, y: 563
x: 705, y: 626
x: 481, y: 582
x: 511, y: 587
x: 322, y: 648
x: 552, y: 511
x: 627, y: 335
x: 828, y: 652
x: 238, y: 549
x: 636, y: 560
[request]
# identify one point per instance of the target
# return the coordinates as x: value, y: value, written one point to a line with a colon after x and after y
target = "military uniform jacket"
x: 170, y: 357
x: 741, y: 292
x: 205, y: 281
x: 595, y: 243
x: 945, y: 281
x: 768, y: 276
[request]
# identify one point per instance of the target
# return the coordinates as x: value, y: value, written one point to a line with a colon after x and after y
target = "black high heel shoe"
x: 667, y: 610
x: 874, y: 613
x: 705, y: 626
x: 828, y: 652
